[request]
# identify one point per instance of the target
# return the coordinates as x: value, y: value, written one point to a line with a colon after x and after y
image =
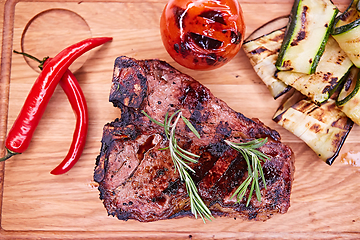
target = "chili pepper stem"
x: 8, y: 155
x: 41, y: 65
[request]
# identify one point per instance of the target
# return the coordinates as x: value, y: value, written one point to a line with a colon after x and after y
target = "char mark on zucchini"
x: 302, y: 33
x: 136, y: 175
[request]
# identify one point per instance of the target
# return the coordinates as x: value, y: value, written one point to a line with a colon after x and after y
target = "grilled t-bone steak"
x: 137, y: 178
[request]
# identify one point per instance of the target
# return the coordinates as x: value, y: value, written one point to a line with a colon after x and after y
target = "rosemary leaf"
x: 251, y: 190
x: 186, y: 157
x: 188, y: 153
x: 166, y: 126
x: 153, y: 120
x: 262, y: 176
x: 160, y: 149
x: 190, y: 126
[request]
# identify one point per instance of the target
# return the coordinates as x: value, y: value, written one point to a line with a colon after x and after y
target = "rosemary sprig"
x: 253, y: 158
x: 181, y: 158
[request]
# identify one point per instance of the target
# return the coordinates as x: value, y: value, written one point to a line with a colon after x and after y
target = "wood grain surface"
x: 325, y: 201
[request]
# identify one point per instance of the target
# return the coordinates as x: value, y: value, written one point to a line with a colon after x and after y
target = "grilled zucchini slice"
x: 350, y: 87
x: 323, y: 128
x: 347, y: 32
x: 343, y: 20
x: 263, y: 52
x: 348, y: 100
x: 333, y: 66
x: 311, y: 22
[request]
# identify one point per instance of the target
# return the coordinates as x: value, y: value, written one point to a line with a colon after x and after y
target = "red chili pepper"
x: 77, y: 100
x: 20, y: 134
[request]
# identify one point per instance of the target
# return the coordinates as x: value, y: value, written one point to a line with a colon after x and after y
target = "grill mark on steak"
x: 137, y: 180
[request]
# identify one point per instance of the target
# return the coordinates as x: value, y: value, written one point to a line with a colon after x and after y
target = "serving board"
x: 325, y: 201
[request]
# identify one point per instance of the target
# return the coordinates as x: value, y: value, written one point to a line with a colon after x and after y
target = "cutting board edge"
x: 7, y: 23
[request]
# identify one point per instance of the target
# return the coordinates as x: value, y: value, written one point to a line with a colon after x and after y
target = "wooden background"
x: 325, y: 201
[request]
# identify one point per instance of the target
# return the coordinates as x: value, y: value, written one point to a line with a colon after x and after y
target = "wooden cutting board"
x: 325, y: 201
